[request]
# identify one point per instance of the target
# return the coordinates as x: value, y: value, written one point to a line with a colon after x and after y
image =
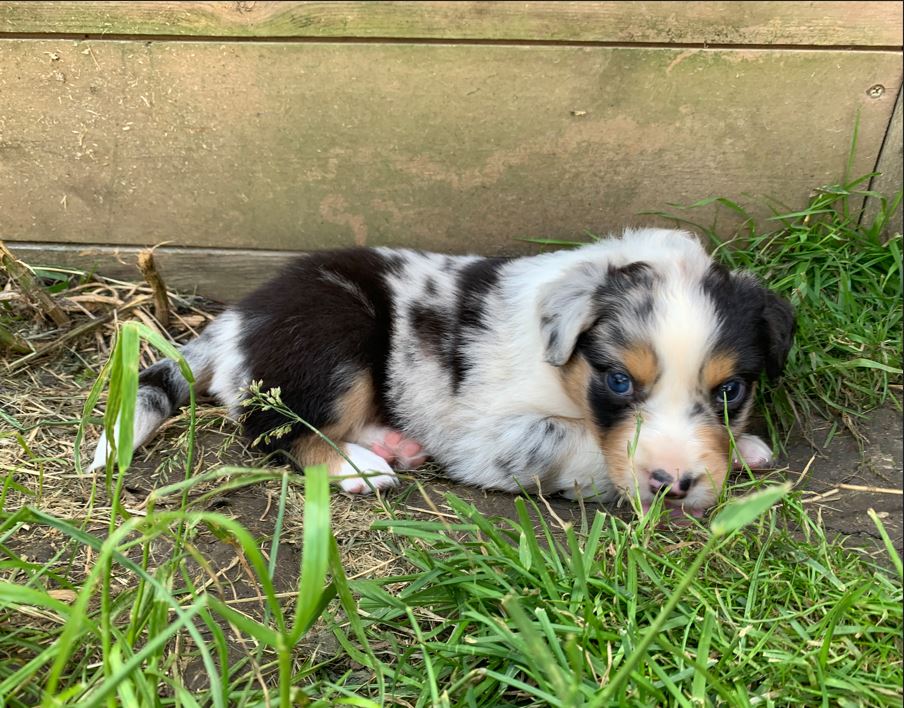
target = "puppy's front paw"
x: 756, y: 453
x: 379, y: 474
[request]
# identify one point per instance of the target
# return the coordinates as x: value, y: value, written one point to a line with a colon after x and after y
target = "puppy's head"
x: 659, y: 345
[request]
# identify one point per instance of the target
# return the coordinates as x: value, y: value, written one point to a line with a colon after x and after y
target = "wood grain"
x: 848, y: 24
x: 294, y: 146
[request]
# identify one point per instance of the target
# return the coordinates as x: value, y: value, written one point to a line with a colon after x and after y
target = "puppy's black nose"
x: 660, y: 481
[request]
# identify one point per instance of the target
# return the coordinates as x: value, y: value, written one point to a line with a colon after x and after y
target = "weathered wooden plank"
x: 220, y: 274
x: 890, y: 167
x: 295, y: 145
x: 790, y: 23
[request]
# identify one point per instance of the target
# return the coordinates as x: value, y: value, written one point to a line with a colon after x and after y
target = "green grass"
x: 758, y: 607
x: 617, y: 614
x: 493, y: 612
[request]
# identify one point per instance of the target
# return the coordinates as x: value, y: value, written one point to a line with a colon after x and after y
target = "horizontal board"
x: 764, y: 23
x: 218, y: 274
x: 293, y: 146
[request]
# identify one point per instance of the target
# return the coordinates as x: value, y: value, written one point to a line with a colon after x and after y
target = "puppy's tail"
x: 163, y: 390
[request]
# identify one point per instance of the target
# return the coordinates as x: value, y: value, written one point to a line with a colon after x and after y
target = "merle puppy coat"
x: 604, y: 370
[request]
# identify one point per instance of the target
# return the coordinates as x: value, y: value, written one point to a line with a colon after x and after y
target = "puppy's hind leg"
x: 353, y: 412
x: 373, y: 472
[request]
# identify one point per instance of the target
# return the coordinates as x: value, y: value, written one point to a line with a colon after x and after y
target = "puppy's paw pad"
x: 394, y: 447
x: 379, y: 473
x: 756, y: 453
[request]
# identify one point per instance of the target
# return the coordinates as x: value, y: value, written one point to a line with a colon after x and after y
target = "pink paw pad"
x: 396, y: 448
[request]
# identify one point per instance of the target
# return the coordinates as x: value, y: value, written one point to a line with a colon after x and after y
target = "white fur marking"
x: 146, y: 424
x: 230, y: 374
x: 368, y: 463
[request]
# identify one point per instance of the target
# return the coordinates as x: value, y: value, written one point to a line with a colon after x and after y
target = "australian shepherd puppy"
x: 606, y: 370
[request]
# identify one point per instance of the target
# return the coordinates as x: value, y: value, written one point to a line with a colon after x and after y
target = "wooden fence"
x: 232, y: 132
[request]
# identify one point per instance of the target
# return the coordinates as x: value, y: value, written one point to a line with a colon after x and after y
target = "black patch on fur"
x: 444, y: 333
x: 621, y: 297
x: 618, y: 292
x: 430, y: 287
x: 535, y: 455
x: 553, y: 431
x: 754, y: 324
x: 393, y: 262
x: 509, y: 467
x: 638, y: 273
x: 474, y: 282
x: 165, y: 390
x: 644, y: 309
x: 310, y: 337
x: 432, y: 327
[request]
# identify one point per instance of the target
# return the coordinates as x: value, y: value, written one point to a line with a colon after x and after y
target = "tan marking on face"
x: 718, y: 369
x: 353, y: 410
x: 640, y: 361
x: 615, y: 444
x: 576, y: 382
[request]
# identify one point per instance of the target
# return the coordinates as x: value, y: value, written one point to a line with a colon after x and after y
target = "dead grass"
x: 42, y: 399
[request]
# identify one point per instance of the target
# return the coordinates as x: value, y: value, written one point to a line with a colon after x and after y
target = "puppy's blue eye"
x: 619, y: 383
x: 732, y: 392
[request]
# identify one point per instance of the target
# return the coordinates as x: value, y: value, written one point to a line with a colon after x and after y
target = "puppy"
x: 601, y: 371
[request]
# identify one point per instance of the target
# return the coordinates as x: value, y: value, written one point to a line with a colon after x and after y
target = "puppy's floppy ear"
x: 567, y: 309
x: 779, y: 322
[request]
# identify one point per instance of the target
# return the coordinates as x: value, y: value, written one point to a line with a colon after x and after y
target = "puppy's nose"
x: 660, y: 480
